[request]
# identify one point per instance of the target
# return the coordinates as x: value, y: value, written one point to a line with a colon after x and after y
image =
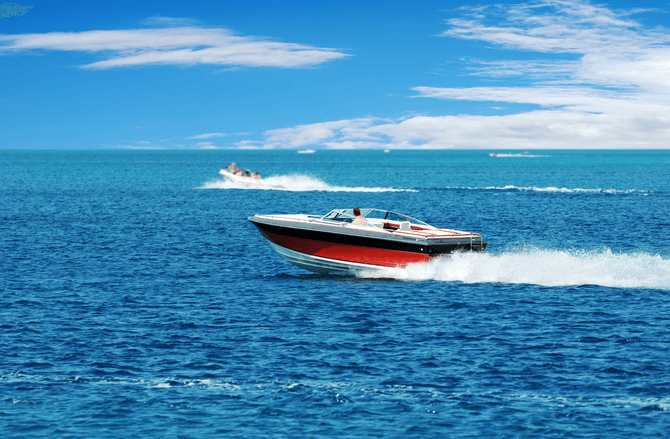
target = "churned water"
x: 136, y: 300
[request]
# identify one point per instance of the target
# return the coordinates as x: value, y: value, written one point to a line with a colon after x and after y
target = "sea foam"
x: 542, y: 267
x: 520, y: 155
x: 552, y: 189
x: 296, y: 183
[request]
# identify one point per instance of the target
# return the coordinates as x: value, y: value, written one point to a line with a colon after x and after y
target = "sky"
x: 559, y: 74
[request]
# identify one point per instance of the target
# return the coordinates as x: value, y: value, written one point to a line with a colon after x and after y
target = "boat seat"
x: 404, y: 226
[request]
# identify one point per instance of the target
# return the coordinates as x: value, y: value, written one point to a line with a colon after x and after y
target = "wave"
x: 296, y: 183
x: 541, y: 267
x: 519, y: 155
x: 552, y: 189
x: 337, y: 391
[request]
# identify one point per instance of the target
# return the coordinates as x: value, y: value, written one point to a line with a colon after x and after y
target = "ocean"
x: 137, y: 300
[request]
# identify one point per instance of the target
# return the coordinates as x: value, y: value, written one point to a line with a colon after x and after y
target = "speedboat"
x: 244, y: 179
x: 343, y: 244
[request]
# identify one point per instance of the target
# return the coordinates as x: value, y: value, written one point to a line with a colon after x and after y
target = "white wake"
x: 552, y: 189
x: 542, y: 267
x: 520, y: 155
x: 296, y: 183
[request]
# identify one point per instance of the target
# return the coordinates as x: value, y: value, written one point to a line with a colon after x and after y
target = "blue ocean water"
x: 136, y: 300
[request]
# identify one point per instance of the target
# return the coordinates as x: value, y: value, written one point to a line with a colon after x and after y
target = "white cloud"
x: 314, y: 134
x: 624, y: 69
x: 614, y: 50
x: 206, y: 145
x: 584, y: 99
x: 570, y: 26
x: 535, y: 129
x: 545, y: 70
x: 160, y: 21
x: 137, y: 146
x: 249, y: 144
x: 208, y: 135
x: 173, y: 46
x: 614, y: 94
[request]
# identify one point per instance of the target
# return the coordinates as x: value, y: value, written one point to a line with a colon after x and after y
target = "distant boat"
x: 494, y: 154
x: 306, y: 151
x: 387, y: 150
x: 244, y: 179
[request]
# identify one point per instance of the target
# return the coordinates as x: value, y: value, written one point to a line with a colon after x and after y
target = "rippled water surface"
x: 136, y: 300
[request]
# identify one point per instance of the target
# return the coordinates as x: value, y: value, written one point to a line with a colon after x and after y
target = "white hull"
x: 241, y: 178
x: 322, y: 265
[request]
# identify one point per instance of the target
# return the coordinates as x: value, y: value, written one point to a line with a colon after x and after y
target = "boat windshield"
x: 347, y: 215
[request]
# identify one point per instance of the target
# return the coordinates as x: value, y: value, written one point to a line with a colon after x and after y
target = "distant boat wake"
x: 518, y: 155
x: 552, y: 189
x: 542, y: 267
x: 296, y: 183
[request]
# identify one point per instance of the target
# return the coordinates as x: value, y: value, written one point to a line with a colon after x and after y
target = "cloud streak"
x: 530, y: 130
x: 210, y: 135
x: 185, y: 46
x: 556, y: 26
x: 614, y: 50
x: 615, y: 93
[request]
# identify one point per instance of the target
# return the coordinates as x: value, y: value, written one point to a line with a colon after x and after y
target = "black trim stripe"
x: 336, y: 238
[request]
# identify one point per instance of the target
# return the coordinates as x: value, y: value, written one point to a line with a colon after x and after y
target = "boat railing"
x: 347, y: 215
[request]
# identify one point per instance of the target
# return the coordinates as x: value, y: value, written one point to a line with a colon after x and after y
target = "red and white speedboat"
x: 340, y: 243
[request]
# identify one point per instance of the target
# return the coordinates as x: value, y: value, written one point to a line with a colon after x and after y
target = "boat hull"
x: 340, y: 253
x: 249, y: 181
x: 318, y: 264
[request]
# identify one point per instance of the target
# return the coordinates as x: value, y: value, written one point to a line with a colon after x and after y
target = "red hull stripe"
x: 346, y: 252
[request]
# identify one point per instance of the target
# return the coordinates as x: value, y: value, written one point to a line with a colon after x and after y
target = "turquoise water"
x: 137, y: 300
